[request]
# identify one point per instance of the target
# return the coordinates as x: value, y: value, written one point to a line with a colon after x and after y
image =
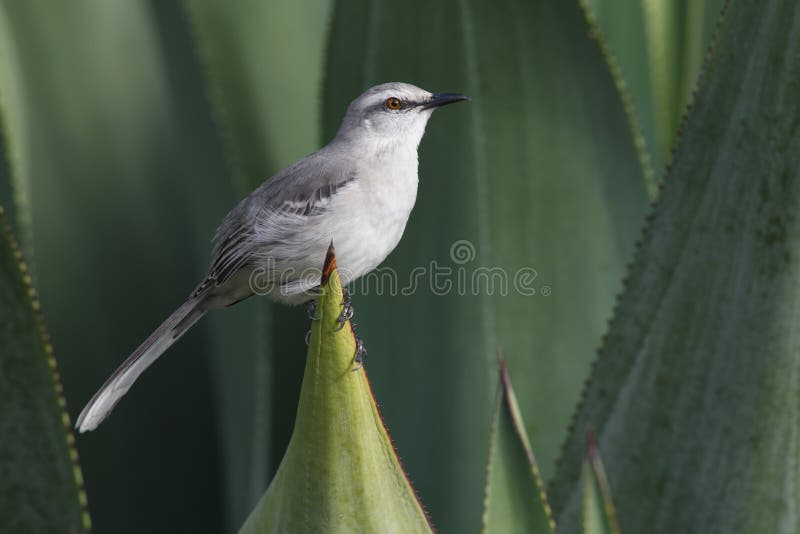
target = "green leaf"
x: 515, y: 500
x: 265, y: 99
x: 695, y: 393
x: 537, y: 176
x: 14, y: 191
x: 660, y: 46
x: 340, y: 472
x: 41, y: 485
x: 599, y: 516
x: 127, y: 183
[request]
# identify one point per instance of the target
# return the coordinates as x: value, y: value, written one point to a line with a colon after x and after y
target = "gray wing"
x: 304, y: 189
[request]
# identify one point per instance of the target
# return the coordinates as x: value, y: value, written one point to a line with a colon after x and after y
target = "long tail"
x: 126, y: 374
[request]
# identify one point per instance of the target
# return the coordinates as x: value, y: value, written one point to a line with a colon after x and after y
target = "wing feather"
x: 304, y: 189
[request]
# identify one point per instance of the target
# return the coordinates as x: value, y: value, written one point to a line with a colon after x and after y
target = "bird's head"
x: 393, y: 114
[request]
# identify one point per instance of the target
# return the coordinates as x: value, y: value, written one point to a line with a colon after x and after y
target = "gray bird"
x: 357, y: 191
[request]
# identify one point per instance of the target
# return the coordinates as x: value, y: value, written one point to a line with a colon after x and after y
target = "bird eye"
x: 393, y: 103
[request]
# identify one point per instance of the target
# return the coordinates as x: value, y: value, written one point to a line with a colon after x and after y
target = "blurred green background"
x: 132, y: 127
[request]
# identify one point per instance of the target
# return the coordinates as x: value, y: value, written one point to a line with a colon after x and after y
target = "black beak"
x: 442, y: 99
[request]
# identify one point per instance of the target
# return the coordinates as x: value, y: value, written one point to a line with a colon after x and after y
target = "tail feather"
x: 101, y: 404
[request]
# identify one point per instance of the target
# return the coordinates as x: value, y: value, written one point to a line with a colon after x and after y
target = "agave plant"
x: 129, y: 129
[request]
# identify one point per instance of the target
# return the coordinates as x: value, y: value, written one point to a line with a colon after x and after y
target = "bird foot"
x: 360, y: 356
x: 311, y: 310
x: 347, y: 309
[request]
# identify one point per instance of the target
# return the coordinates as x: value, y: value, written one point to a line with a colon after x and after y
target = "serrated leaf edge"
x: 629, y: 108
x: 645, y: 232
x: 53, y: 366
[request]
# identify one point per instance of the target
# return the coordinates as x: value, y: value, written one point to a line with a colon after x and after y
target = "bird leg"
x: 311, y: 309
x: 360, y: 356
x: 346, y: 315
x: 347, y: 309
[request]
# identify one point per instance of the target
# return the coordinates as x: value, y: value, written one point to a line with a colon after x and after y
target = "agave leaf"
x: 514, y: 500
x: 265, y: 99
x: 14, y: 192
x: 694, y: 395
x: 659, y: 45
x: 128, y: 184
x: 599, y: 516
x: 537, y: 176
x: 340, y: 472
x: 40, y: 480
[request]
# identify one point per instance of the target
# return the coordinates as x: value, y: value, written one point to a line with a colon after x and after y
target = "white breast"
x: 369, y: 217
x: 365, y: 220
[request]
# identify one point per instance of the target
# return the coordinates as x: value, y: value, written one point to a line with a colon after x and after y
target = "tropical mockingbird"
x: 358, y: 192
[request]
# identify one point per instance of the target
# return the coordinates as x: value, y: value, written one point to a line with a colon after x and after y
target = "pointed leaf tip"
x: 599, y: 514
x: 514, y: 499
x: 591, y: 442
x: 329, y: 265
x: 340, y: 472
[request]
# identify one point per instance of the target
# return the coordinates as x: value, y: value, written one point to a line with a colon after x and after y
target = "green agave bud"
x: 340, y: 472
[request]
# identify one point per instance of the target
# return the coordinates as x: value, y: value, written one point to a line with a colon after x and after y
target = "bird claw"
x: 347, y: 310
x: 311, y: 310
x: 345, y: 316
x: 360, y: 356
